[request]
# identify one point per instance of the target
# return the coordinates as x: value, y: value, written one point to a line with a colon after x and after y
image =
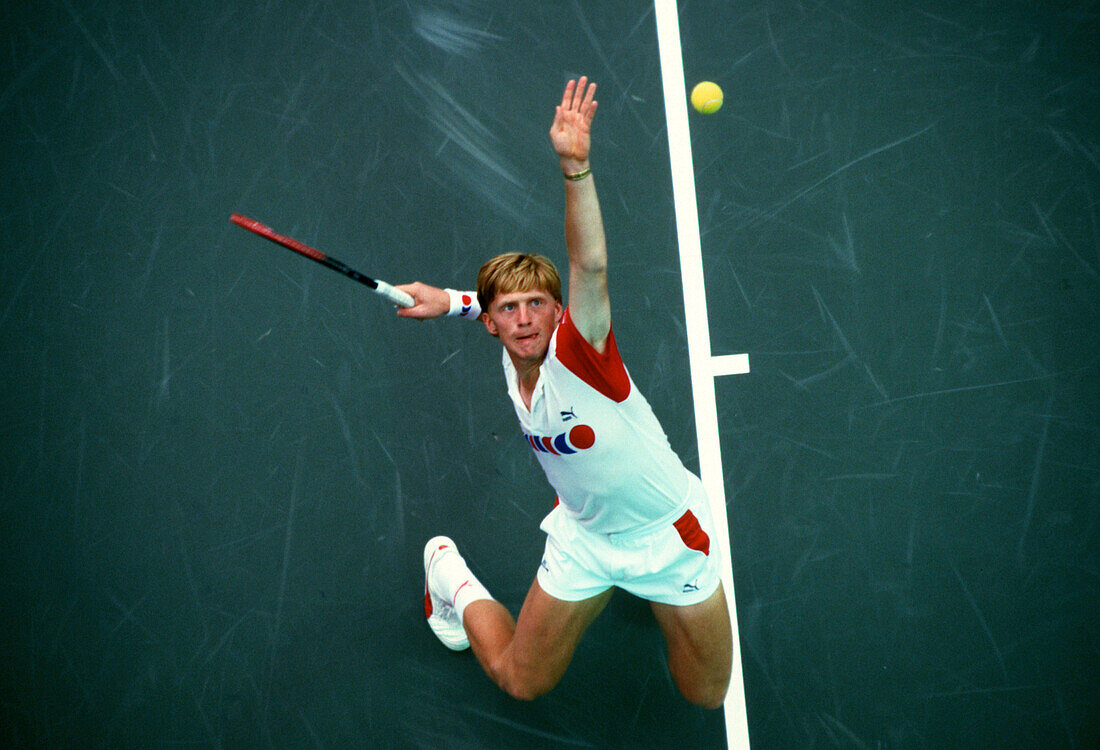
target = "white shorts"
x: 673, y: 563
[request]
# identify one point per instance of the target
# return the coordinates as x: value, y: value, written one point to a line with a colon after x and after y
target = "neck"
x: 527, y: 377
x: 527, y: 371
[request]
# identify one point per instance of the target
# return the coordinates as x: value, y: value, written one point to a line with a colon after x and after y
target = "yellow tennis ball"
x: 706, y: 97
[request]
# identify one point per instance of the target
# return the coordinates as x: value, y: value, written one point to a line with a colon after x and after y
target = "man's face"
x: 524, y: 322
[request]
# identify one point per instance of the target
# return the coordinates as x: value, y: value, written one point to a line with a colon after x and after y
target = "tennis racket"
x: 396, y: 296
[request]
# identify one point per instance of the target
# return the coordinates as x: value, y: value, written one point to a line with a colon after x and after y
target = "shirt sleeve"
x: 605, y: 372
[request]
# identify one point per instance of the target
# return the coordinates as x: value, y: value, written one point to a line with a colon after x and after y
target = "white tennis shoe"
x: 440, y: 611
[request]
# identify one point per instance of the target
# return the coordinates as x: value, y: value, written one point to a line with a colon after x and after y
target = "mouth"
x: 529, y: 342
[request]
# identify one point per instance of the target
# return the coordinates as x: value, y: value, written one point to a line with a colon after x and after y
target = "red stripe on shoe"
x: 692, y: 533
x: 427, y: 595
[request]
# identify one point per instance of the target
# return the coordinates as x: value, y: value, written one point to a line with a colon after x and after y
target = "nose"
x: 523, y: 314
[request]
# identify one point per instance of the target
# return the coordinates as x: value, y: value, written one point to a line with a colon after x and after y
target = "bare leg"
x: 700, y: 648
x: 527, y: 658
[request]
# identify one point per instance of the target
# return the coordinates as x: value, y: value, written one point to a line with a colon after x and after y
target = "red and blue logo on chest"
x: 580, y: 437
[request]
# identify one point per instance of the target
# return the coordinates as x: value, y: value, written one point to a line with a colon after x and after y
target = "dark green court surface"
x: 220, y: 462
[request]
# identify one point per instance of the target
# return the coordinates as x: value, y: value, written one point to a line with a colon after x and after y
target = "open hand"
x: 571, y: 130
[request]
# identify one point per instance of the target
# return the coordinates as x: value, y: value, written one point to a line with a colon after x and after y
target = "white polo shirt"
x: 597, y: 439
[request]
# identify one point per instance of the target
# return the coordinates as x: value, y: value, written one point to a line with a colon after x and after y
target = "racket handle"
x: 393, y: 294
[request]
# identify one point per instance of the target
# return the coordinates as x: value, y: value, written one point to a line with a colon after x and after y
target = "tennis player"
x: 628, y: 513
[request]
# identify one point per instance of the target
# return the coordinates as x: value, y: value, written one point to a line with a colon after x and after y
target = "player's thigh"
x: 547, y: 632
x: 699, y: 637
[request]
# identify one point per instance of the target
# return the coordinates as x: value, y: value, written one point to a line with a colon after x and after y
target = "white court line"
x: 729, y: 364
x: 703, y: 367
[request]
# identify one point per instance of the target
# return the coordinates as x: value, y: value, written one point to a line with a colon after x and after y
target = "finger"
x: 578, y: 93
x: 567, y: 97
x: 589, y: 101
x: 586, y: 105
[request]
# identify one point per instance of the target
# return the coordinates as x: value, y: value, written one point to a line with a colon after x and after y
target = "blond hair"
x: 516, y: 272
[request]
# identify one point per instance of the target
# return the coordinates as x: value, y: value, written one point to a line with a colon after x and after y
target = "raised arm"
x: 589, y: 305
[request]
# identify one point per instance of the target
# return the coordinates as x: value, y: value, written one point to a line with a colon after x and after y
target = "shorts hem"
x: 566, y: 596
x: 684, y: 600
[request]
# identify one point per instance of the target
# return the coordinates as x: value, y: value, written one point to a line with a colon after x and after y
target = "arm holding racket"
x: 428, y: 301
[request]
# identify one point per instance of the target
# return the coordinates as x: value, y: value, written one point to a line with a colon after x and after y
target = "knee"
x: 523, y: 685
x: 706, y: 696
x: 523, y: 691
x: 706, y: 692
x: 710, y: 700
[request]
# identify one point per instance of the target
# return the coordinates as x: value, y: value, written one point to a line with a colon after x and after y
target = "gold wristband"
x: 578, y: 175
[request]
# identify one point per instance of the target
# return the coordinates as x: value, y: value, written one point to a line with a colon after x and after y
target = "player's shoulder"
x: 602, y: 370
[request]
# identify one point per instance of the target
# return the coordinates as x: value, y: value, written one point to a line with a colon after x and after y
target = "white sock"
x: 460, y: 585
x: 472, y: 591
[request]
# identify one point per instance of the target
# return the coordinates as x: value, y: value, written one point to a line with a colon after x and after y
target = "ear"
x: 559, y: 312
x: 490, y: 326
